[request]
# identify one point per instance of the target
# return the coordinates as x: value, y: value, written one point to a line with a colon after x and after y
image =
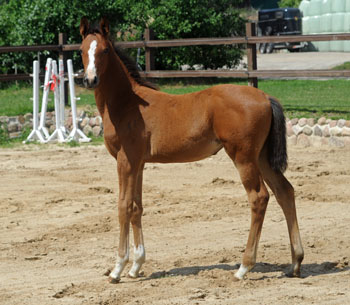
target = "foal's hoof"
x: 293, y: 273
x: 133, y: 275
x: 112, y: 280
x: 236, y: 279
x: 108, y: 272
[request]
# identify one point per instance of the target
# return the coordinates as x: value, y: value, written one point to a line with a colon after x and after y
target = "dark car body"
x: 280, y: 21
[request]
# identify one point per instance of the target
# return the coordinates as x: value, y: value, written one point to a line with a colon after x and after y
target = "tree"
x: 172, y: 19
x: 30, y: 22
x: 289, y: 3
x: 27, y: 22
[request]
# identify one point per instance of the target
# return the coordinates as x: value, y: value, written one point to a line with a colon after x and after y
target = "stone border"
x: 90, y: 124
x: 308, y: 132
x: 303, y: 132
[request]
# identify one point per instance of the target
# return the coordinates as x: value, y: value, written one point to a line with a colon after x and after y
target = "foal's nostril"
x: 85, y: 81
x: 90, y: 82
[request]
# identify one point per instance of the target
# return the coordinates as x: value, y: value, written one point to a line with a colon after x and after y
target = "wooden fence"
x: 250, y: 40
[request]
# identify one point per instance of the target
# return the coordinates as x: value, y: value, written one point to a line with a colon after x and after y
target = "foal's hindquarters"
x: 259, y: 153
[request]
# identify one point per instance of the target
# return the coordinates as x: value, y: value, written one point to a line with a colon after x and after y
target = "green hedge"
x: 32, y: 22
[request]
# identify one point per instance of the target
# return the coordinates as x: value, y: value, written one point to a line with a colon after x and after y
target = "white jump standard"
x: 55, y: 82
x: 58, y: 133
x: 45, y: 98
x: 35, y: 133
x: 76, y: 133
x: 61, y: 90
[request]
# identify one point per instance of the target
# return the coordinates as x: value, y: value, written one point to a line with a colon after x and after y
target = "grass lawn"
x: 300, y: 98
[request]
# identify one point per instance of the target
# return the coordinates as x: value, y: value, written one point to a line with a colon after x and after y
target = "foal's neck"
x: 116, y: 88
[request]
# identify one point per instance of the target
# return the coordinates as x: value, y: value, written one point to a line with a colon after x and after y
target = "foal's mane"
x: 132, y: 68
x: 128, y: 62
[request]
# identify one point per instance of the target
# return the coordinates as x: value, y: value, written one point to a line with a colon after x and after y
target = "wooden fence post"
x: 62, y: 39
x: 251, y: 54
x: 149, y: 35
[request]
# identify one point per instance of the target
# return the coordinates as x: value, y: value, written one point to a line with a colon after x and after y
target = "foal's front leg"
x: 139, y: 249
x: 127, y: 174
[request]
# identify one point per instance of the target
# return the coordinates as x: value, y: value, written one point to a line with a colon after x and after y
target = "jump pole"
x: 35, y: 133
x: 58, y: 133
x: 61, y: 88
x: 76, y: 133
x: 46, y: 91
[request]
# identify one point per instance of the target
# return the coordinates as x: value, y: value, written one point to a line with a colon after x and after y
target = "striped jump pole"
x: 45, y: 98
x: 61, y: 89
x: 58, y: 133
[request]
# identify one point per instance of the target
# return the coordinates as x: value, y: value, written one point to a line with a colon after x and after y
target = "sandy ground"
x: 59, y: 231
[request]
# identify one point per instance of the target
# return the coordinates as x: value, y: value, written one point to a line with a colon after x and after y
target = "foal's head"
x: 94, y: 50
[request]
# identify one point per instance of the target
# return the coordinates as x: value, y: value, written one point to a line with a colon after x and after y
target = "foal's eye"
x: 106, y: 50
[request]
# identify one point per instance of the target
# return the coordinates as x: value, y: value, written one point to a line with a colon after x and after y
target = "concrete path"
x: 300, y: 61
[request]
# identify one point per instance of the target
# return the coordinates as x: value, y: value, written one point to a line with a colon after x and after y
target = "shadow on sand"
x: 306, y: 271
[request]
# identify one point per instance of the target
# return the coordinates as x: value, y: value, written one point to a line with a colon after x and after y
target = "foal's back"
x: 190, y: 127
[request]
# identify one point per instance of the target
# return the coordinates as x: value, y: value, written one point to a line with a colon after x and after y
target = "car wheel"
x: 262, y: 48
x: 269, y: 48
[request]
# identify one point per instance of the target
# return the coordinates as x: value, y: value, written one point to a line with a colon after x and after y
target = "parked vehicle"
x: 280, y: 21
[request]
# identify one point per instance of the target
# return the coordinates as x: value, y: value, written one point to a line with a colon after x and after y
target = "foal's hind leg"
x: 284, y: 193
x: 258, y: 197
x: 139, y: 249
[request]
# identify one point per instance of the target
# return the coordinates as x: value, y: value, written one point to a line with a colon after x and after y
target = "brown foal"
x: 143, y: 125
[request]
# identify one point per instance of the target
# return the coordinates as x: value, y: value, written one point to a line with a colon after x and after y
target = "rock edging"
x: 309, y: 132
x: 90, y: 124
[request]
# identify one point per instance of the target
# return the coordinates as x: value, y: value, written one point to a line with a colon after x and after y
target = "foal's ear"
x: 84, y: 27
x: 104, y: 27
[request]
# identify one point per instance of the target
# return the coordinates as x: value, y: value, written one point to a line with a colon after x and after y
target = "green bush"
x: 27, y: 22
x: 32, y: 22
x: 289, y: 3
x: 193, y: 18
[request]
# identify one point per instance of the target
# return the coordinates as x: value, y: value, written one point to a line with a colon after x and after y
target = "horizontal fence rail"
x: 186, y: 42
x: 251, y: 73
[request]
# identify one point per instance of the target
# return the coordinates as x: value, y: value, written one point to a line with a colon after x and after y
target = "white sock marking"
x: 91, y: 69
x: 121, y: 262
x: 242, y: 271
x: 119, y: 266
x: 139, y: 259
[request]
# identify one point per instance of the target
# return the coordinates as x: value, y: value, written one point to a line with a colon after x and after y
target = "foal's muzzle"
x: 90, y: 82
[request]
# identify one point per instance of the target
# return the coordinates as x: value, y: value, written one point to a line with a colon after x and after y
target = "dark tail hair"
x: 276, y: 141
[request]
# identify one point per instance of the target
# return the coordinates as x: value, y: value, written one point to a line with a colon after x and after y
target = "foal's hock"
x: 143, y: 125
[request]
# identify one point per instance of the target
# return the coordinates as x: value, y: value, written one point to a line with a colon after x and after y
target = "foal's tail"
x: 276, y: 141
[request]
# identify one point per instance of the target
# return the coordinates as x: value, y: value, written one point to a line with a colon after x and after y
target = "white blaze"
x: 91, y: 69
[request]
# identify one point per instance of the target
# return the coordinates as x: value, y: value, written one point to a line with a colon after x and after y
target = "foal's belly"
x: 184, y: 152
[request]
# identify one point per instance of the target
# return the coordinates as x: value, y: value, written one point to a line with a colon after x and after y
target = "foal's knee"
x: 136, y: 215
x: 125, y: 209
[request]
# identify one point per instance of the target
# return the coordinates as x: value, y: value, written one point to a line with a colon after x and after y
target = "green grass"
x: 300, y: 98
x: 311, y: 98
x: 344, y: 66
x: 16, y: 100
